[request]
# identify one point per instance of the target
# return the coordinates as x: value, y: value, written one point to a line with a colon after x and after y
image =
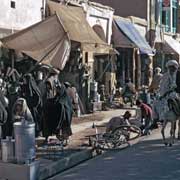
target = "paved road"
x: 148, y: 160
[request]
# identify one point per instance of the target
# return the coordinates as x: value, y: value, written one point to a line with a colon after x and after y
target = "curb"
x: 64, y: 164
x: 77, y: 158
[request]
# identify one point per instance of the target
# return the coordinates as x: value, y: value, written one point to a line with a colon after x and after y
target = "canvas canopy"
x: 119, y: 39
x: 132, y: 33
x: 175, y: 45
x: 45, y: 41
x: 50, y: 41
x: 74, y: 21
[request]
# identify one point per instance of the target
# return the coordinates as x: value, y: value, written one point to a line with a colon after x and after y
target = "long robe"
x: 58, y: 115
x: 167, y: 90
x: 33, y: 97
x: 3, y: 115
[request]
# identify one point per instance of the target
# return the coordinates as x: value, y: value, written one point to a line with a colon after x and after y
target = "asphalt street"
x: 147, y: 160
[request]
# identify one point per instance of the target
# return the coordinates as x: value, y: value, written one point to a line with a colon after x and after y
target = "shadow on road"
x: 148, y: 160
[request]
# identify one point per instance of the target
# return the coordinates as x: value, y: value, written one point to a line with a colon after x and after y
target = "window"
x: 13, y: 4
x: 174, y: 10
x: 164, y: 17
x: 86, y: 57
x: 174, y: 15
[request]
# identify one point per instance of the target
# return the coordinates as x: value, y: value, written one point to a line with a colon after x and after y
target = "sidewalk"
x: 97, y: 118
x: 77, y: 151
x: 82, y: 126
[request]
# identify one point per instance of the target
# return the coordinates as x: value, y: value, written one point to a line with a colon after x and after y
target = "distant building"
x: 168, y: 14
x: 100, y: 19
x: 19, y: 14
x: 163, y: 24
x: 162, y: 12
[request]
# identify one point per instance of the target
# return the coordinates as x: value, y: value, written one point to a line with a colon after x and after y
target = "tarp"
x: 119, y: 39
x: 47, y: 41
x: 175, y: 45
x: 74, y: 21
x: 132, y: 33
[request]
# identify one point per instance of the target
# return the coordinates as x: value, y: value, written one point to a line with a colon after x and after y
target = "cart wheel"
x: 131, y: 132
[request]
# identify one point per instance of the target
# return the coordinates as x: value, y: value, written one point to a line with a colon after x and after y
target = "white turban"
x: 172, y: 63
x: 157, y: 70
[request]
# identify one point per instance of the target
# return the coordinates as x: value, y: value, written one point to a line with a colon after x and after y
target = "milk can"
x: 7, y: 147
x: 24, y: 133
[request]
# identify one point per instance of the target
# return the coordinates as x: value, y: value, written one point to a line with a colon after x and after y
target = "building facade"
x: 168, y: 15
x: 144, y: 9
x: 162, y: 18
x: 100, y: 19
x: 19, y: 14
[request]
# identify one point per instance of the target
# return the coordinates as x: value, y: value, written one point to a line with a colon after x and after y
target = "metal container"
x: 7, y: 147
x: 93, y: 90
x: 94, y: 86
x: 24, y: 133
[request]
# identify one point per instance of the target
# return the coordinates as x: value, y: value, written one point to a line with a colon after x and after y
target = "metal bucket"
x: 7, y: 146
x: 24, y: 133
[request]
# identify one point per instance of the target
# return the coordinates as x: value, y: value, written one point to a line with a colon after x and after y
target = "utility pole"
x: 150, y: 30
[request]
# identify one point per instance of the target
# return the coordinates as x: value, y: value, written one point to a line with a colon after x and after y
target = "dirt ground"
x: 80, y: 139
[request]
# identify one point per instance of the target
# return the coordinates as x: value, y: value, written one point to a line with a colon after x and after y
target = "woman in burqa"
x: 49, y: 94
x: 32, y: 94
x: 12, y: 92
x: 3, y: 114
x: 21, y: 111
x: 58, y: 115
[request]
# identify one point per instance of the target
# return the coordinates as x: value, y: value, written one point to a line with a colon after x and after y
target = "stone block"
x: 10, y: 171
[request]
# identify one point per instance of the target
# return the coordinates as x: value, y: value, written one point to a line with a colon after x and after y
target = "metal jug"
x: 7, y: 146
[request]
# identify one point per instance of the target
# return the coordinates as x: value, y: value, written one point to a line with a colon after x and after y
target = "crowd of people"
x: 162, y: 88
x: 37, y: 97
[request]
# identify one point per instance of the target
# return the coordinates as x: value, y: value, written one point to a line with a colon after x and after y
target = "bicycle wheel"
x: 131, y: 132
x: 113, y: 141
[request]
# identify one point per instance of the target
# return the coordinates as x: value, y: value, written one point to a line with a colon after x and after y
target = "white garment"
x: 167, y: 84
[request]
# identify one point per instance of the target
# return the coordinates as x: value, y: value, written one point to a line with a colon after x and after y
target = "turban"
x: 172, y: 63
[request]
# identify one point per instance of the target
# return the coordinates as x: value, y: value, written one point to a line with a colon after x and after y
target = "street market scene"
x: 89, y: 89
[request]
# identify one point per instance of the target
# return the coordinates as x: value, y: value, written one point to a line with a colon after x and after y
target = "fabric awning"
x: 74, y: 21
x: 46, y: 41
x: 132, y: 33
x: 164, y: 48
x: 175, y: 45
x: 119, y: 39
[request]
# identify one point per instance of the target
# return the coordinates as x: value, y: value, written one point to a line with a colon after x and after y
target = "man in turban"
x: 168, y: 87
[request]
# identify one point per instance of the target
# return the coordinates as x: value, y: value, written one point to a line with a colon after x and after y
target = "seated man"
x: 115, y: 122
x: 129, y: 91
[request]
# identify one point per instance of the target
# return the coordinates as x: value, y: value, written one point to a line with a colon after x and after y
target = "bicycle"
x: 116, y: 139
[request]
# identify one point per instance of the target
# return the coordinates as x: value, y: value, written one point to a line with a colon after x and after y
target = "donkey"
x: 172, y: 116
